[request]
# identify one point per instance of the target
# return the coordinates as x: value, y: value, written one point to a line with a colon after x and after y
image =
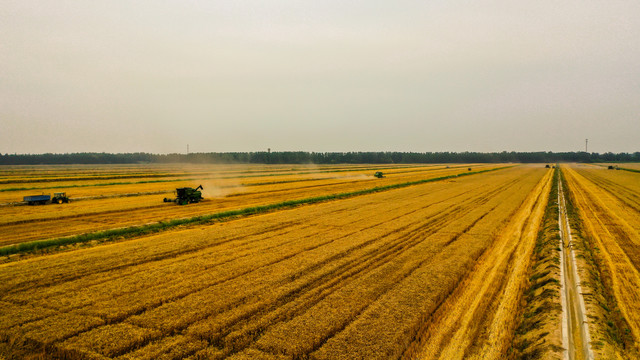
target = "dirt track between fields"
x: 576, y: 339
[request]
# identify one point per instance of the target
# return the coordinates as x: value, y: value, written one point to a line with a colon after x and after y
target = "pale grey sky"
x: 368, y: 75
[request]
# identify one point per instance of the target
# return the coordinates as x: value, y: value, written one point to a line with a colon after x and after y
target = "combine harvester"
x: 187, y: 195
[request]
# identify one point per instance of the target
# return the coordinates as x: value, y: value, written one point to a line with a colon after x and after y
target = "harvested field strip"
x: 222, y: 188
x: 57, y: 177
x: 208, y: 176
x: 99, y: 177
x: 202, y: 178
x: 617, y: 246
x: 474, y: 320
x: 151, y: 209
x: 72, y: 186
x: 226, y: 186
x: 27, y: 245
x: 246, y: 211
x: 243, y: 282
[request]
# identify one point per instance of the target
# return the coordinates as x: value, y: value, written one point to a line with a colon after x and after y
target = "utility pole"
x: 586, y: 145
x: 187, y: 149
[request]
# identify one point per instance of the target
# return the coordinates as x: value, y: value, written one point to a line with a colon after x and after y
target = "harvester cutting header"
x: 187, y: 195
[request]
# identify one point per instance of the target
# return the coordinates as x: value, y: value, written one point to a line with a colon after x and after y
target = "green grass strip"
x: 632, y: 170
x: 135, y: 231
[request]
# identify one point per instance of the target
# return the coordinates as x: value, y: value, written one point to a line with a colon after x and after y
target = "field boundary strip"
x: 631, y: 170
x: 133, y: 231
x: 575, y: 330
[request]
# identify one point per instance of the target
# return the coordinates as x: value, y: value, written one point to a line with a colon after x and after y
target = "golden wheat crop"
x: 363, y: 277
x: 121, y: 209
x: 608, y: 203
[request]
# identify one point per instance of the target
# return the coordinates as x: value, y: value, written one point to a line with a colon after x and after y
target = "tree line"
x: 302, y: 157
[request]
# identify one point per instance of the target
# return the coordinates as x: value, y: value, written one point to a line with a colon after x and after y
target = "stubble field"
x: 433, y: 264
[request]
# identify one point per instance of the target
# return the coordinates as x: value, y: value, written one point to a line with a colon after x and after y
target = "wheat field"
x: 436, y: 266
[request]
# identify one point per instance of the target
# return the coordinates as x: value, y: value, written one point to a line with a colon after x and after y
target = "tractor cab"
x: 59, y: 198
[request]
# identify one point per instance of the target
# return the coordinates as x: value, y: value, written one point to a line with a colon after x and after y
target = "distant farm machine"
x: 58, y: 198
x: 379, y: 174
x: 186, y: 195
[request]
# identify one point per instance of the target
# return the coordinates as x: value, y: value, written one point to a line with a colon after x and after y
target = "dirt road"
x: 575, y: 331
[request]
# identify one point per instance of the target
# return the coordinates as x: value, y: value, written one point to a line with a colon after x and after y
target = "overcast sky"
x: 439, y: 75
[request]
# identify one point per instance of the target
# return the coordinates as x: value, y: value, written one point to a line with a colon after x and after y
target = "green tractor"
x: 59, y: 198
x: 379, y: 174
x: 187, y: 195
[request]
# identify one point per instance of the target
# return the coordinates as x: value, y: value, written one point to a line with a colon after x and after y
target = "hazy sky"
x: 438, y: 75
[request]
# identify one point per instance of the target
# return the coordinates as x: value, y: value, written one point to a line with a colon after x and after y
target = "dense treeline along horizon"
x: 301, y: 157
